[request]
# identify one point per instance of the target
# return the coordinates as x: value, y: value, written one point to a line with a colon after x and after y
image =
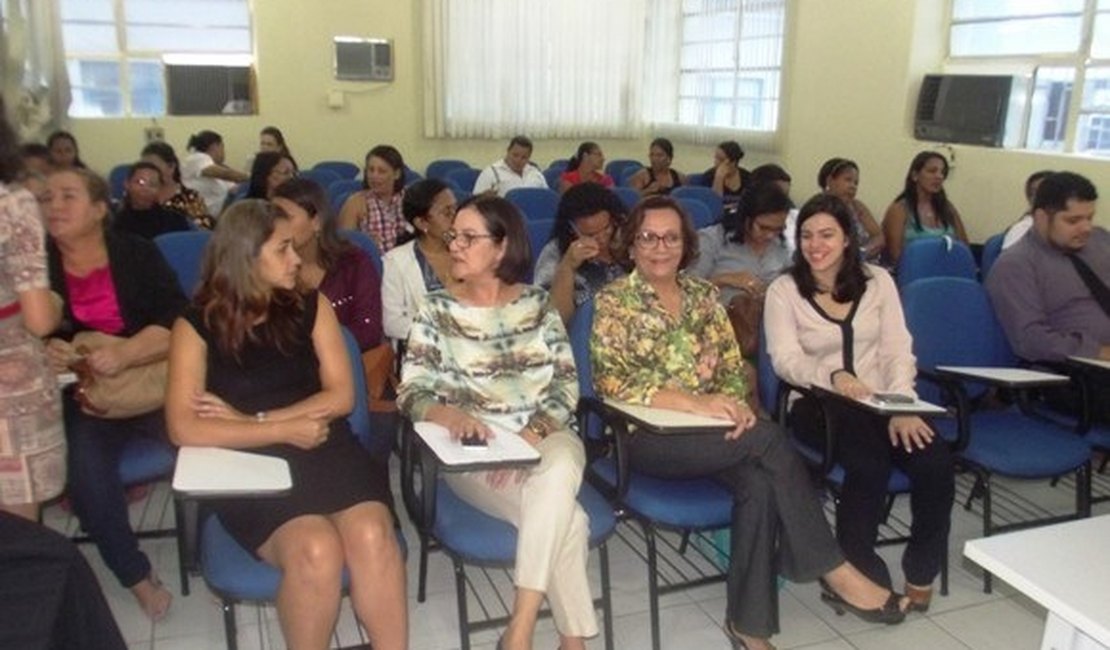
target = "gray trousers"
x: 777, y: 522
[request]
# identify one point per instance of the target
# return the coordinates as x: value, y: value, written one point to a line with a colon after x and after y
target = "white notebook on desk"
x: 669, y: 419
x: 506, y: 447
x: 217, y: 470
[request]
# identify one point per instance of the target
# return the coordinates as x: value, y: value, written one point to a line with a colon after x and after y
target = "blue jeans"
x: 95, y: 489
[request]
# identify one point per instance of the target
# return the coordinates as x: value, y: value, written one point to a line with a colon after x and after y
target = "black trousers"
x: 49, y: 597
x: 863, y: 448
x: 777, y: 521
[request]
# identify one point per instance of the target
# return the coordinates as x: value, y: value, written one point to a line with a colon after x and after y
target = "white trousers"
x: 552, y: 528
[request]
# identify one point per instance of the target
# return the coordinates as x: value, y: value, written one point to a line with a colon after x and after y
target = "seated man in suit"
x: 1050, y: 288
x: 513, y: 171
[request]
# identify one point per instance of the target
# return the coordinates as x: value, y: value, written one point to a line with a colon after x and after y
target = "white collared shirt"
x: 501, y: 178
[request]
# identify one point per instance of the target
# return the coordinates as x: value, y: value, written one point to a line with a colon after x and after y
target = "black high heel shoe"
x: 889, y: 614
x: 734, y: 637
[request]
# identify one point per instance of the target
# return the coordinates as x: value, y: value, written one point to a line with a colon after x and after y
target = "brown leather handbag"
x: 134, y: 391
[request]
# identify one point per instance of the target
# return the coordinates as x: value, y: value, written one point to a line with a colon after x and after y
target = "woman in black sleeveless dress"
x: 256, y: 365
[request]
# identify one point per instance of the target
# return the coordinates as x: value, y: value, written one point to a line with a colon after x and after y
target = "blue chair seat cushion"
x: 146, y: 459
x: 1009, y: 443
x: 479, y: 538
x: 693, y: 504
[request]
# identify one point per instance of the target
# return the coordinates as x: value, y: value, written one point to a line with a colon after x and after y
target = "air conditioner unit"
x: 970, y: 109
x: 208, y: 90
x: 363, y: 59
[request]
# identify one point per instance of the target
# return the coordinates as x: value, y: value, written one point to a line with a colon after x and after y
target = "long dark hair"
x: 851, y: 279
x: 393, y: 158
x: 166, y: 154
x: 66, y: 135
x: 231, y: 298
x: 11, y: 163
x: 584, y: 149
x: 277, y: 135
x: 755, y: 201
x: 417, y: 202
x: 583, y: 200
x: 264, y: 163
x: 312, y: 198
x: 941, y: 206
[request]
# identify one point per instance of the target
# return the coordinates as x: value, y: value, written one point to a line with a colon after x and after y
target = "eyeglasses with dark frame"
x: 646, y: 240
x: 464, y: 239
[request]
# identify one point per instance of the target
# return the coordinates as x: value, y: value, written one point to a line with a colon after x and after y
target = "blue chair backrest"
x: 366, y: 243
x: 934, y: 257
x: 534, y: 202
x: 952, y: 323
x: 464, y: 178
x: 184, y: 251
x: 411, y: 177
x: 768, y: 380
x: 539, y: 233
x: 992, y: 248
x: 581, y: 325
x: 551, y: 175
x: 699, y: 214
x: 343, y: 169
x: 703, y: 194
x: 339, y: 191
x: 440, y: 168
x: 117, y: 179
x: 460, y: 193
x: 696, y: 180
x: 628, y: 196
x: 323, y: 177
x: 359, y: 419
x: 560, y: 164
x: 617, y: 168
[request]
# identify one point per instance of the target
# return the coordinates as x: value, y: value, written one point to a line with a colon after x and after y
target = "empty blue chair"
x: 340, y: 191
x: 367, y: 244
x: 464, y: 178
x: 551, y: 175
x: 992, y: 248
x: 654, y: 503
x: 699, y: 214
x: 628, y: 196
x: 624, y: 180
x: 323, y: 177
x: 707, y: 196
x: 539, y: 233
x: 934, y: 257
x: 536, y: 203
x: 696, y: 180
x: 341, y: 168
x: 952, y: 324
x: 411, y: 176
x: 117, y: 180
x: 439, y: 169
x: 560, y: 164
x: 617, y: 168
x: 184, y: 251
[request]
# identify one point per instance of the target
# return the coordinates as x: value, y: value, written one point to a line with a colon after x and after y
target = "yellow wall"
x: 853, y: 69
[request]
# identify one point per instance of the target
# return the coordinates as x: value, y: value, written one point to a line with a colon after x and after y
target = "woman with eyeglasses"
x: 422, y: 264
x: 580, y: 258
x: 661, y: 338
x: 743, y: 254
x: 488, y: 356
x: 331, y: 265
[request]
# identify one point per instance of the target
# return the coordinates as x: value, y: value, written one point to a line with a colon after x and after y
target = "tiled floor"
x: 966, y: 618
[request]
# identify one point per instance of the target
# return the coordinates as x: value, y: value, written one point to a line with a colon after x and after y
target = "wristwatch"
x: 539, y: 427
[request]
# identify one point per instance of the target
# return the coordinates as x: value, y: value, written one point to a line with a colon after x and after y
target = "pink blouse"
x: 93, y: 301
x: 806, y: 347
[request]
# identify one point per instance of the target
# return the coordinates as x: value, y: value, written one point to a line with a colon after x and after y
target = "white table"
x: 1093, y: 363
x: 1009, y: 377
x: 668, y: 421
x: 1064, y: 568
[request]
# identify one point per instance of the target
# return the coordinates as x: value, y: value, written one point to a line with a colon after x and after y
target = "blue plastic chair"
x: 228, y: 569
x: 340, y: 191
x: 992, y: 248
x: 439, y: 169
x: 696, y: 180
x: 654, y: 503
x: 628, y: 196
x: 705, y: 195
x: 366, y: 243
x: 464, y: 178
x: 952, y: 324
x: 184, y: 251
x: 539, y: 233
x: 625, y: 179
x: 323, y: 177
x: 460, y: 193
x: 535, y: 203
x: 117, y: 181
x: 551, y: 175
x: 699, y: 214
x: 559, y: 163
x: 412, y: 176
x: 343, y: 169
x: 616, y: 168
x: 934, y: 257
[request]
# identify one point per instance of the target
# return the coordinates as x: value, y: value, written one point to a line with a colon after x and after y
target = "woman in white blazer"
x: 421, y: 264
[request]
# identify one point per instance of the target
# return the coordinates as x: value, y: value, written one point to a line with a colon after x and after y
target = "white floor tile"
x: 920, y: 634
x: 1007, y: 624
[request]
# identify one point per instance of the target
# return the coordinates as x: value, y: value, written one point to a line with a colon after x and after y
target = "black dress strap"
x: 847, y: 332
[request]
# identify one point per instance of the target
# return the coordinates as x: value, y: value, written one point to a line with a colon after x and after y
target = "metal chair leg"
x: 653, y: 586
x: 606, y: 600
x: 422, y: 582
x: 460, y: 596
x: 988, y: 526
x: 685, y: 543
x: 231, y: 633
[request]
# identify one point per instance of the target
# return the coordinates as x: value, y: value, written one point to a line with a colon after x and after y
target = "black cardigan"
x: 146, y: 286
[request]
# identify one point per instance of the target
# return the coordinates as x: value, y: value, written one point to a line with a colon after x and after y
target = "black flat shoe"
x: 889, y: 614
